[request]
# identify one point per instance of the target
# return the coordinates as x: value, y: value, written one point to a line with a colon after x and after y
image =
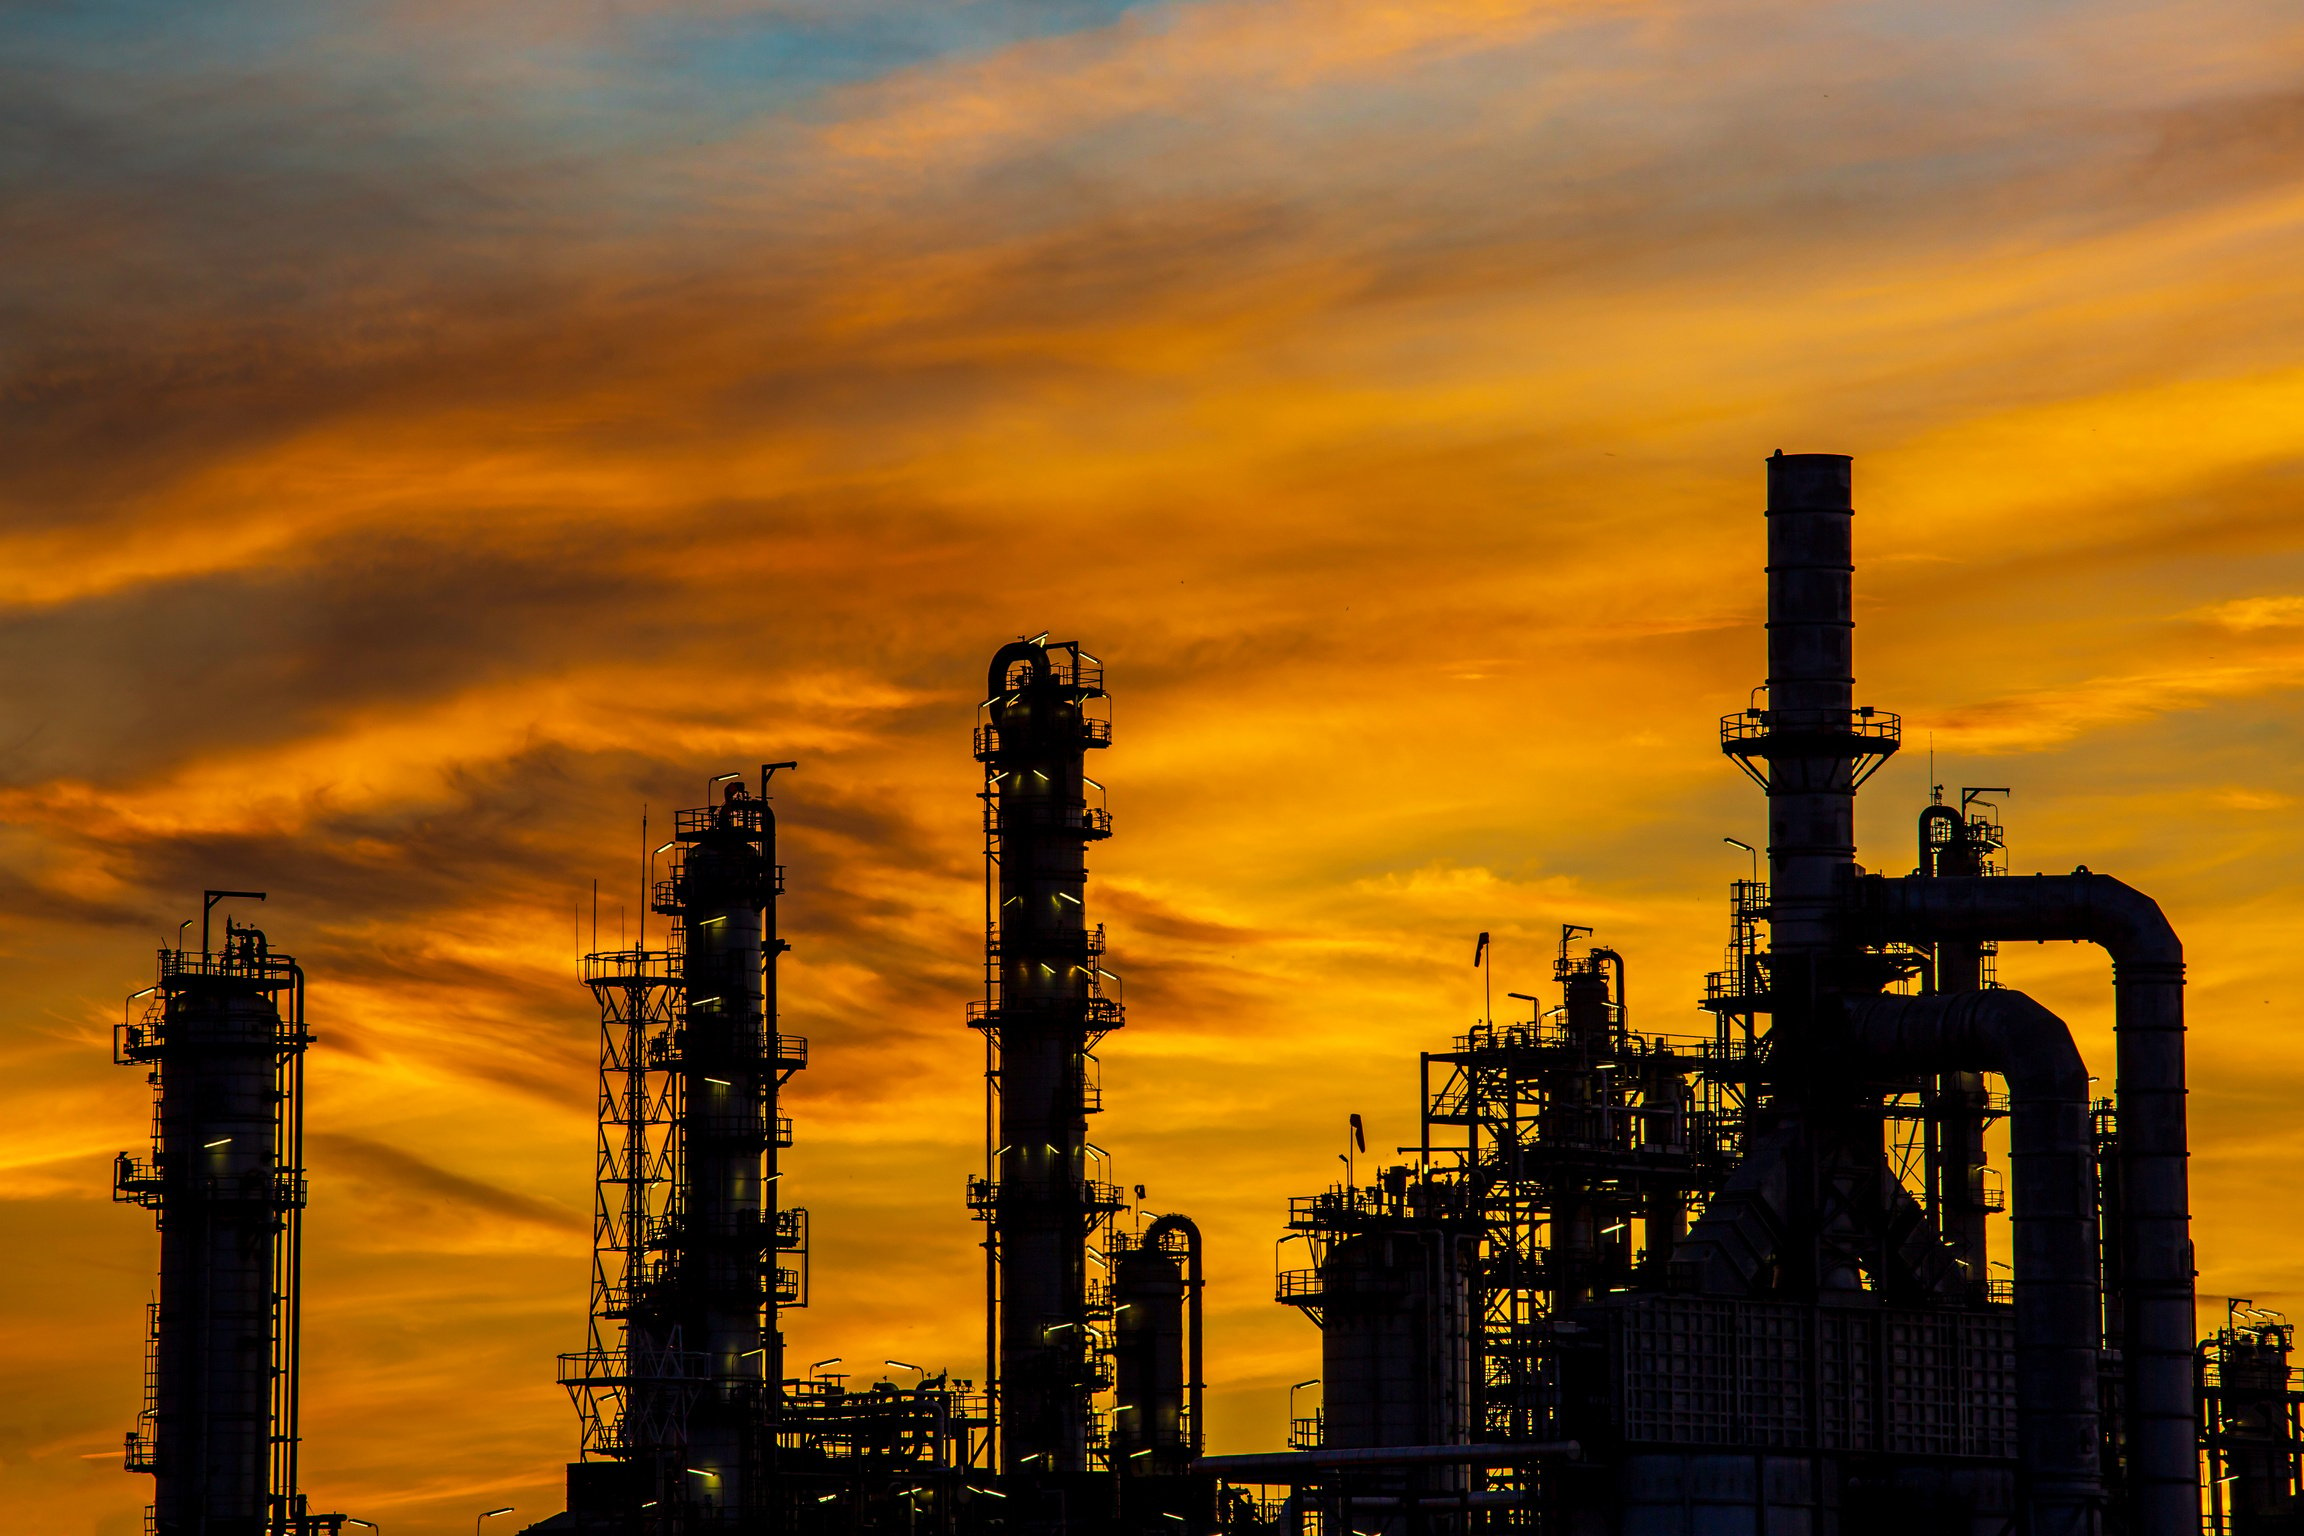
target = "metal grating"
x: 1757, y: 1374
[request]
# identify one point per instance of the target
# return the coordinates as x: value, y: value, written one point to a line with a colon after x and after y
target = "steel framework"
x: 1581, y: 1146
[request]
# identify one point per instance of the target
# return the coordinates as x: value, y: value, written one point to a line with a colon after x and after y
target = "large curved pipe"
x: 2054, y: 1217
x: 2155, y: 1241
x: 1928, y: 848
x: 996, y: 679
x: 1616, y: 963
x: 1195, y: 1382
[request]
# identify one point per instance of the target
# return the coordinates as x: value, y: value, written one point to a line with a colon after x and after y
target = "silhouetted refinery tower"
x: 223, y: 1036
x: 1044, y: 1011
x: 679, y: 1389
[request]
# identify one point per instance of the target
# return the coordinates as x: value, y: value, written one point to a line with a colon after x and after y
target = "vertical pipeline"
x: 2154, y: 1248
x: 288, y: 1284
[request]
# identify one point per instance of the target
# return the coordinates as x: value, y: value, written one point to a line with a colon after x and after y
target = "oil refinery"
x: 1632, y: 1279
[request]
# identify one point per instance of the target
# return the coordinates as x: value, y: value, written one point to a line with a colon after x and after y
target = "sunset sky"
x: 435, y: 431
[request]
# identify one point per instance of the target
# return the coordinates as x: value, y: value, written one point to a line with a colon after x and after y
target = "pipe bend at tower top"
x: 1195, y: 1293
x: 2081, y: 907
x: 1035, y: 654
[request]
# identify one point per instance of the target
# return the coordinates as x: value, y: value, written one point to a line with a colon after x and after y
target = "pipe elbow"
x: 996, y: 679
x: 1184, y: 1227
x: 1992, y: 1031
x: 2129, y: 923
x: 2083, y: 906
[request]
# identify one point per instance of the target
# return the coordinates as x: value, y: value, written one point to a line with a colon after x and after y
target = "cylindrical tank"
x: 1396, y: 1337
x: 1148, y: 1373
x: 224, y: 1194
x: 1585, y: 1008
x: 723, y: 1300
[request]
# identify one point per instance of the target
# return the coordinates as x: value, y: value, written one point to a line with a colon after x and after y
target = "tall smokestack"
x: 1809, y: 747
x: 1817, y: 745
x: 1811, y: 697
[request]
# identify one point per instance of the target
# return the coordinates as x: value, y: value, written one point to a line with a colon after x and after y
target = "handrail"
x: 1863, y: 727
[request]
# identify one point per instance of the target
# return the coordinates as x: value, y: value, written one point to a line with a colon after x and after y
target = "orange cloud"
x: 439, y: 445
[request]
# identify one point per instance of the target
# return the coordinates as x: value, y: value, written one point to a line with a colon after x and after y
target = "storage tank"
x: 1396, y: 1330
x: 224, y: 1042
x: 1149, y: 1421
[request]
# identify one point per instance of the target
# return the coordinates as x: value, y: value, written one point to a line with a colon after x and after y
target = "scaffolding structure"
x: 1581, y: 1146
x: 223, y: 1039
x: 885, y: 1457
x: 631, y: 1392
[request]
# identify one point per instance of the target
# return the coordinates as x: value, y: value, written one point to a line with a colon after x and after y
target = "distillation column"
x: 730, y: 1067
x: 1157, y: 1349
x: 224, y: 1039
x: 1043, y: 1014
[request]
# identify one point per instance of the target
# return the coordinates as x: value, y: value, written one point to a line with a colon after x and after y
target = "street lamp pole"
x: 489, y: 1514
x: 1292, y: 1391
